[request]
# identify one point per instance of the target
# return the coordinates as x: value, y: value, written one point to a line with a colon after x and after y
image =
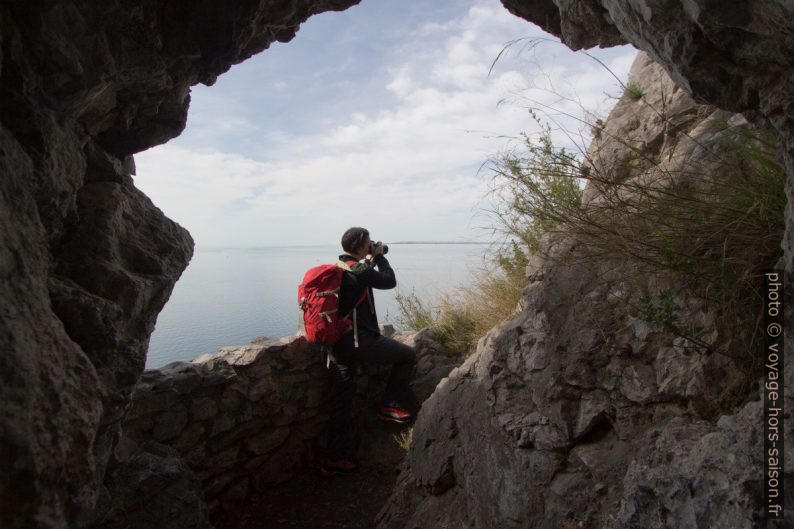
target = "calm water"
x: 231, y: 296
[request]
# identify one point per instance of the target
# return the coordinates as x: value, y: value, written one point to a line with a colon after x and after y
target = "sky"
x: 381, y: 116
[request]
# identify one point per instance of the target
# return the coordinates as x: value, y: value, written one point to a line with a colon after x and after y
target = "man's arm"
x: 382, y: 278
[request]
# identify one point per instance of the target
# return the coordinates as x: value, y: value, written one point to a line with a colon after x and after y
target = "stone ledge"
x: 248, y: 417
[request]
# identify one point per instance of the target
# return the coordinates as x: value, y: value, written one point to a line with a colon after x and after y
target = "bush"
x: 413, y: 313
x: 704, y: 233
x: 461, y: 318
x: 634, y: 91
x: 530, y: 187
x: 709, y: 230
x: 404, y: 439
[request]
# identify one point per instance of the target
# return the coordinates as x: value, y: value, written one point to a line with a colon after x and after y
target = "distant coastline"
x: 303, y: 246
x: 436, y: 242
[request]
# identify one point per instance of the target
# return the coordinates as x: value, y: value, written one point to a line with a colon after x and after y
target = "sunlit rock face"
x: 86, y: 260
x: 476, y: 459
x: 579, y: 413
x: 738, y: 56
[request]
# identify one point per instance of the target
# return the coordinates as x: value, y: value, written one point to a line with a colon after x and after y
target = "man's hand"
x: 377, y: 249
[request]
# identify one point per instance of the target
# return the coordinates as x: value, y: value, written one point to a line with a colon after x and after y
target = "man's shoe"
x: 393, y: 412
x: 337, y: 467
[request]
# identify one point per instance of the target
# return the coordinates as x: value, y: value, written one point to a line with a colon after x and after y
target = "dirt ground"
x: 308, y: 501
x: 311, y: 502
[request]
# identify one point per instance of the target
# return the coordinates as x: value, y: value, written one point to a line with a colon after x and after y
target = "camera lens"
x: 374, y: 245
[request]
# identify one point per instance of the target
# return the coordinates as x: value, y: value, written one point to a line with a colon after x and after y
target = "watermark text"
x: 773, y: 394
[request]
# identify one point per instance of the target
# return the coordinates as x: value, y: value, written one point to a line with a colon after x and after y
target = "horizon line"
x: 209, y: 247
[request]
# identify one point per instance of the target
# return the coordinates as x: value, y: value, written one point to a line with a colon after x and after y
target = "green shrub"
x: 710, y: 231
x: 634, y: 91
x: 459, y: 319
x: 413, y: 313
x: 530, y: 188
x: 705, y: 234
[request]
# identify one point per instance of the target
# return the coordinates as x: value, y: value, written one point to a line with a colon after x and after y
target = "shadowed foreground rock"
x: 151, y: 486
x: 230, y: 426
x: 86, y: 261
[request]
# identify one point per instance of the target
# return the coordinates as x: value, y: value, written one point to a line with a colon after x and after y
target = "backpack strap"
x: 355, y: 267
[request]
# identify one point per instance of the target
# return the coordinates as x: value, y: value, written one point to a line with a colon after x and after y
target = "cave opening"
x: 392, y: 109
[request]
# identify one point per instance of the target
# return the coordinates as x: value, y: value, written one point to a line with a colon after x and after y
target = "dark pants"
x: 344, y: 362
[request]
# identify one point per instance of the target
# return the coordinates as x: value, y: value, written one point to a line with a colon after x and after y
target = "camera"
x: 374, y: 245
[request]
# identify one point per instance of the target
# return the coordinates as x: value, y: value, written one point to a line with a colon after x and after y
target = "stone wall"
x: 242, y: 419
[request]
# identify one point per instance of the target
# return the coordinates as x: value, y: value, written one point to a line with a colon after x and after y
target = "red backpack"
x: 318, y: 298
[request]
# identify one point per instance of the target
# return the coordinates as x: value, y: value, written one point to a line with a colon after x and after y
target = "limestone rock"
x: 51, y: 400
x: 551, y: 422
x: 580, y: 23
x: 689, y: 464
x: 433, y: 364
x: 150, y: 486
x: 736, y: 55
x: 86, y: 260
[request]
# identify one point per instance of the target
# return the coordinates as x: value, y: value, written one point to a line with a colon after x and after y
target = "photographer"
x: 363, y: 344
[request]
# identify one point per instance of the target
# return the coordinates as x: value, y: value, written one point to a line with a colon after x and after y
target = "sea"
x: 230, y: 296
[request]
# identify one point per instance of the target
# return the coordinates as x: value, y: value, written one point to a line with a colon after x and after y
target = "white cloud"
x: 407, y: 170
x: 402, y: 83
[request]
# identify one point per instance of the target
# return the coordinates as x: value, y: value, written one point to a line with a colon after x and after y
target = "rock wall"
x: 738, y: 56
x: 577, y: 413
x: 240, y: 418
x: 225, y: 426
x: 86, y: 260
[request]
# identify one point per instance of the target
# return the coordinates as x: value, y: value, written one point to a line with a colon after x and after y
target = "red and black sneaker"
x: 337, y: 467
x: 394, y: 412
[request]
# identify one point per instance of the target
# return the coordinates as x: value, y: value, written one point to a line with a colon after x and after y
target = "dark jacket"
x: 353, y: 285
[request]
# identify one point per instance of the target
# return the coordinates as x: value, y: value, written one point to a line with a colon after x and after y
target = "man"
x: 363, y: 343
